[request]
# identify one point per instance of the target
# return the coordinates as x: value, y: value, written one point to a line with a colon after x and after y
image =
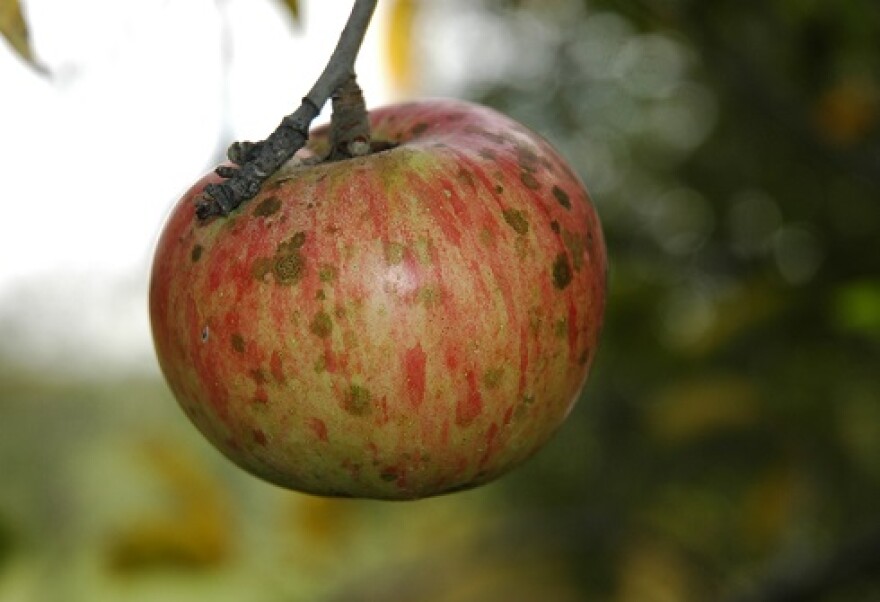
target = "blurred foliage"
x: 399, y: 47
x: 729, y: 437
x: 293, y: 9
x: 14, y: 30
x: 733, y: 419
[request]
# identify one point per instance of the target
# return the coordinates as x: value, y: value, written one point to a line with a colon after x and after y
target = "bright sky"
x: 92, y: 158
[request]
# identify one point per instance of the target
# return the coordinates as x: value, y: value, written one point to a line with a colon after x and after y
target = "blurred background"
x: 727, y: 446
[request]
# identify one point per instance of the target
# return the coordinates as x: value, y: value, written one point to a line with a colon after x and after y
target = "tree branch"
x: 258, y: 161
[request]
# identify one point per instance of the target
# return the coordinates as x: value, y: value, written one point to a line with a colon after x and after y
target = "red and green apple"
x: 398, y: 325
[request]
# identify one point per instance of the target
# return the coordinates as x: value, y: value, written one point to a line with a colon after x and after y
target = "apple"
x: 398, y: 325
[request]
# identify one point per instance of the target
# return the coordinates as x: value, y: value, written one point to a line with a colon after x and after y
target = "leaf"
x: 652, y: 571
x: 399, y: 43
x: 15, y: 30
x: 856, y: 308
x: 193, y: 533
x: 292, y: 7
x: 767, y: 507
x: 702, y: 408
x: 847, y: 112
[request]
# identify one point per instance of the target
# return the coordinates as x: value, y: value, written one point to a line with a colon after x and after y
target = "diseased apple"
x: 398, y: 325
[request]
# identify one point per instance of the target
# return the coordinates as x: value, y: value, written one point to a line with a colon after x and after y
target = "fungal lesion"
x: 321, y: 325
x: 576, y: 246
x: 492, y: 377
x: 358, y: 400
x: 523, y: 407
x: 516, y: 219
x: 327, y: 273
x: 561, y: 270
x: 529, y: 180
x: 268, y: 206
x: 419, y: 128
x: 561, y: 197
x: 429, y: 296
x: 288, y: 269
x: 237, y: 342
x: 287, y: 266
x: 394, y: 253
x: 560, y: 328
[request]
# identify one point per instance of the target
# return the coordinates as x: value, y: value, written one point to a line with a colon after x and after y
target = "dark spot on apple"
x: 358, y: 401
x: 258, y: 376
x: 259, y: 437
x: 320, y: 295
x: 561, y: 271
x: 522, y: 408
x: 529, y: 179
x: 516, y: 220
x: 267, y: 207
x: 322, y: 325
x: 488, y: 154
x: 206, y: 334
x: 196, y: 253
x: 493, y: 377
x: 261, y: 268
x: 576, y: 247
x: 288, y: 269
x: 291, y: 244
x: 419, y: 128
x: 499, y: 189
x: 560, y: 328
x: 389, y: 474
x: 429, y: 296
x: 490, y: 136
x: 327, y: 273
x: 562, y: 197
x: 527, y: 158
x: 554, y: 225
x: 237, y: 342
x: 465, y: 177
x: 394, y: 252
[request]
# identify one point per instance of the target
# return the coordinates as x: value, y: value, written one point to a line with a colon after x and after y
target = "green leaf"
x: 14, y: 29
x: 856, y: 307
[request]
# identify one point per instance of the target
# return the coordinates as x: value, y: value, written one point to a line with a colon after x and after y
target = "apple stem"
x: 349, y: 123
x: 257, y: 161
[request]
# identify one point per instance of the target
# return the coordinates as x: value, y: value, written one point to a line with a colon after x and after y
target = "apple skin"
x: 394, y: 326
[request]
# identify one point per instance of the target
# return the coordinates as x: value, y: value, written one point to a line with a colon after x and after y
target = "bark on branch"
x: 256, y: 162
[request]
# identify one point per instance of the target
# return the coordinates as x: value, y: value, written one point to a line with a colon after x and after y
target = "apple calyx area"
x: 396, y: 325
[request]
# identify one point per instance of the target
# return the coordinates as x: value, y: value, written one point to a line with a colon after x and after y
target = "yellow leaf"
x: 768, y: 507
x: 653, y: 572
x: 292, y: 7
x: 15, y: 30
x: 702, y: 407
x: 847, y: 112
x: 399, y: 43
x: 194, y: 531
